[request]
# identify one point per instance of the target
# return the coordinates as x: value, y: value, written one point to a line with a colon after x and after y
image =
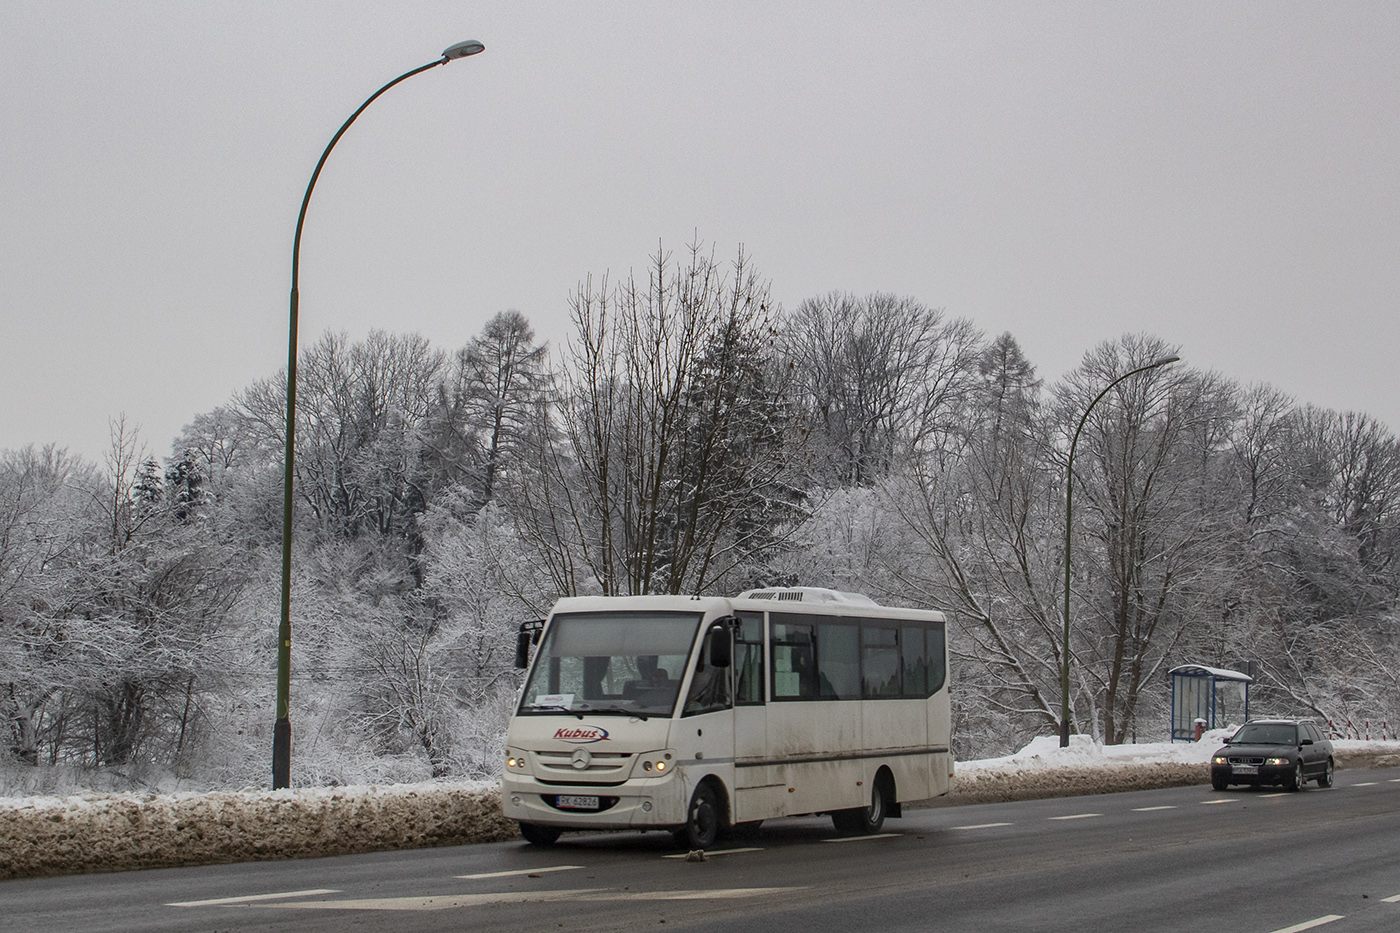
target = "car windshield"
x: 1266, y: 733
x: 627, y: 663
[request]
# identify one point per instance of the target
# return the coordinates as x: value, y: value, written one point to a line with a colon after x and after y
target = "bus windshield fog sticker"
x: 563, y: 700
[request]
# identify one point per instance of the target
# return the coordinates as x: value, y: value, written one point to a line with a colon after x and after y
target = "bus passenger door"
x: 758, y: 795
x: 704, y: 736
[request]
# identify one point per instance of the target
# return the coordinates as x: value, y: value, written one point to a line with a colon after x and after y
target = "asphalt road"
x: 1247, y: 861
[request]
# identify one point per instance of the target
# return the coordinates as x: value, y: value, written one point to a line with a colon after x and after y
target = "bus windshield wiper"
x: 619, y: 711
x: 556, y: 709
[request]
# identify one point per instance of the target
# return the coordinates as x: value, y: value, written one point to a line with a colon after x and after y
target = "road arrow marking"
x: 450, y: 901
x: 519, y: 871
x: 250, y: 898
x: 863, y: 838
x: 711, y: 853
x: 1309, y: 924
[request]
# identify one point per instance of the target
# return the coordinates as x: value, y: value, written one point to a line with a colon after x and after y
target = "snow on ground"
x: 115, y: 832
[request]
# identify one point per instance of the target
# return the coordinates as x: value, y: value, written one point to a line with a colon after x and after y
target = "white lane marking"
x: 1394, y: 781
x: 710, y: 853
x: 443, y: 902
x: 863, y: 838
x: 1365, y: 784
x: 1076, y: 816
x: 1150, y: 809
x: 447, y: 902
x: 519, y: 871
x: 1395, y: 899
x: 984, y: 825
x: 725, y: 893
x: 249, y: 898
x: 1309, y: 924
x: 1207, y: 803
x: 1279, y: 794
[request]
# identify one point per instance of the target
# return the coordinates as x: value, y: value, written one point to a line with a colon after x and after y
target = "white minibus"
x: 704, y: 714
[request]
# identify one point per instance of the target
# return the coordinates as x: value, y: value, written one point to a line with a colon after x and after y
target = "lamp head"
x: 462, y: 50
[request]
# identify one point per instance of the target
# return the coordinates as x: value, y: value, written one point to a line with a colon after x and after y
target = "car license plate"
x: 1244, y: 769
x: 576, y: 803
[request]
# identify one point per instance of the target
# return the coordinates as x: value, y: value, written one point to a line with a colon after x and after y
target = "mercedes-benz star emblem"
x: 581, y: 758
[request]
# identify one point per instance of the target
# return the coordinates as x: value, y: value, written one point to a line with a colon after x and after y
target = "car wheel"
x: 1325, y: 779
x: 538, y: 835
x: 1297, y: 782
x: 701, y: 827
x: 864, y: 820
x: 1218, y: 782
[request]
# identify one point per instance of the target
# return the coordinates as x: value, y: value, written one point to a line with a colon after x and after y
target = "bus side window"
x: 748, y: 659
x: 879, y: 662
x: 937, y: 658
x: 794, y: 670
x: 838, y: 660
x: 914, y: 651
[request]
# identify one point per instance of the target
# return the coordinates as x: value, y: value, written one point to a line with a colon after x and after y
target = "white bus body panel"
x: 778, y: 759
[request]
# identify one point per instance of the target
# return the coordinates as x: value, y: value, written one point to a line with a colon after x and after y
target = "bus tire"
x: 861, y: 821
x: 538, y: 835
x: 703, y: 819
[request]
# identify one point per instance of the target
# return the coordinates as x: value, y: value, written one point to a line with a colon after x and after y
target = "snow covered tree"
x: 879, y: 378
x: 664, y: 424
x: 481, y: 416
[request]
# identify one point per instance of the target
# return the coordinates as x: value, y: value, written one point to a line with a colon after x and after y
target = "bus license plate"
x: 576, y: 803
x: 1244, y: 769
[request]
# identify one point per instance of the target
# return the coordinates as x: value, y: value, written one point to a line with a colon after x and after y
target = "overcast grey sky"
x: 1224, y: 175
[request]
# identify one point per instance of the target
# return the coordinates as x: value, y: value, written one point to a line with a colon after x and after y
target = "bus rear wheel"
x: 864, y: 820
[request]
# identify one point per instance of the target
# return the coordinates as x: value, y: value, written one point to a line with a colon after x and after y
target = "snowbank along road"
x: 50, y: 836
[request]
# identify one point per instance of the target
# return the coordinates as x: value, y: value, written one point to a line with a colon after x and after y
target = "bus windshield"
x: 623, y: 663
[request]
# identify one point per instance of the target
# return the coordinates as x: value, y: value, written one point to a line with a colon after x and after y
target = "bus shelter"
x: 1211, y: 695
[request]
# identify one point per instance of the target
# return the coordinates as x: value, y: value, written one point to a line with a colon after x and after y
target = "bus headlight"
x: 657, y: 764
x: 515, y: 761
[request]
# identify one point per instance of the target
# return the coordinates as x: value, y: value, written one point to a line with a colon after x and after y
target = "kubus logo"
x: 581, y: 735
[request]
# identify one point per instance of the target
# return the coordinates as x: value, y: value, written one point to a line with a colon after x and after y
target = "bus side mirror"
x: 528, y: 635
x: 721, y: 645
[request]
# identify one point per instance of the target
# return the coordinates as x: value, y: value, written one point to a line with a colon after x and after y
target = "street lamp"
x: 282, y: 731
x: 1069, y: 516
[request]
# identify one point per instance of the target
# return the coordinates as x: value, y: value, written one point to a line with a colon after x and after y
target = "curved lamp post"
x: 1069, y: 515
x: 282, y: 731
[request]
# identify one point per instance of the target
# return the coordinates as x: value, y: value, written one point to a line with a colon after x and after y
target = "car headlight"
x: 1276, y: 761
x: 1220, y: 760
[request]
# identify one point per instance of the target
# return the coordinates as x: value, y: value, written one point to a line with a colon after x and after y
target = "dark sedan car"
x: 1290, y: 752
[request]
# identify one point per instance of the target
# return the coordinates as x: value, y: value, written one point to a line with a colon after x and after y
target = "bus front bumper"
x: 636, y: 804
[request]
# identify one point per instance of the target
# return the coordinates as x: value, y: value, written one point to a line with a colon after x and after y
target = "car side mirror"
x: 1306, y: 742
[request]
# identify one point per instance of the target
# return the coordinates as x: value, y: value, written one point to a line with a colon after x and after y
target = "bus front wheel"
x: 702, y: 823
x: 864, y: 820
